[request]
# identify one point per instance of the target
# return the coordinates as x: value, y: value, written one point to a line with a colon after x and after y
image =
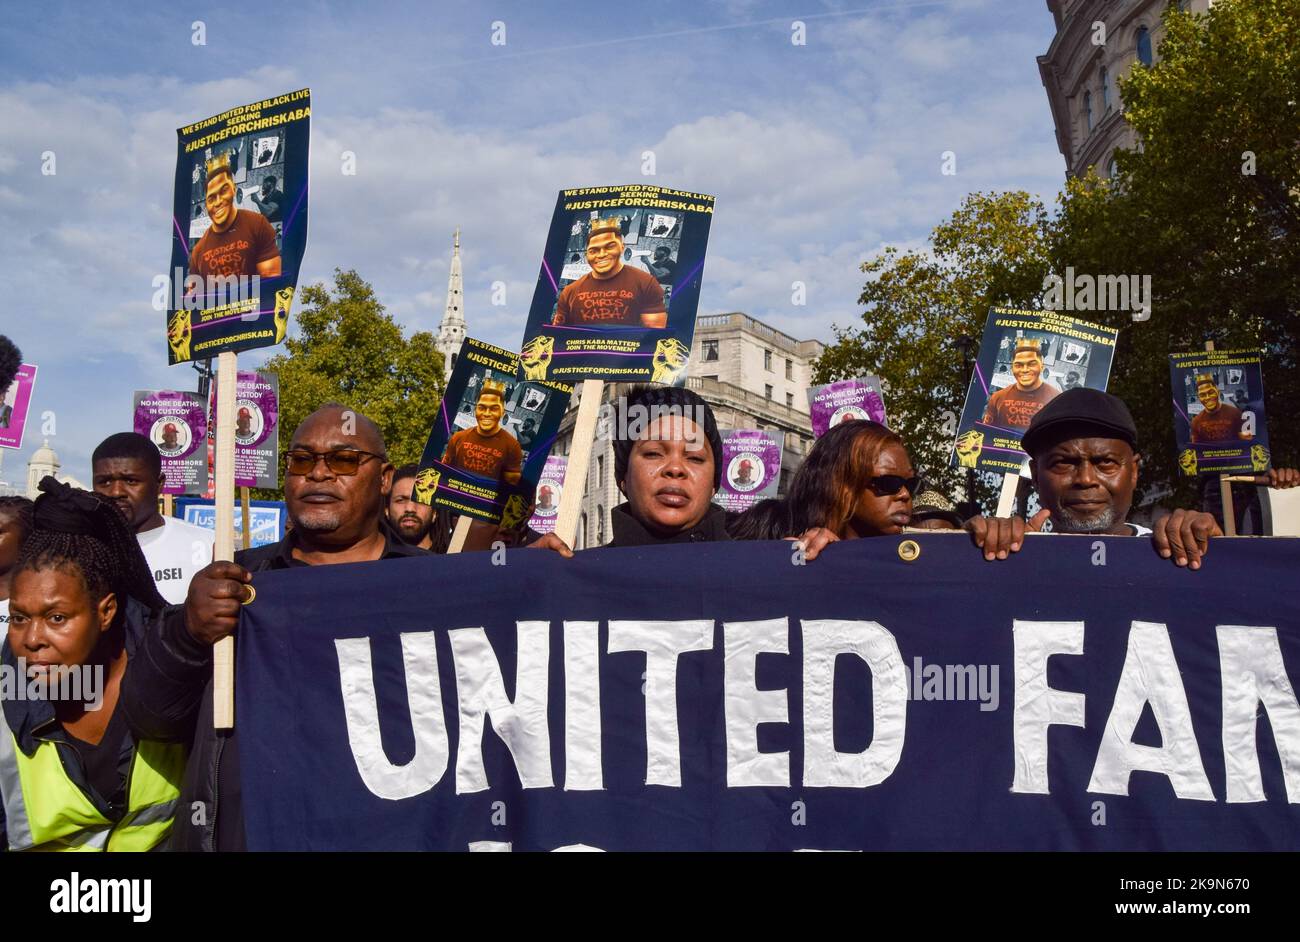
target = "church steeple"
x: 452, y: 331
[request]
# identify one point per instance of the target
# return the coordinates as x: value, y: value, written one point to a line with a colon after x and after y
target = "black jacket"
x: 167, y: 695
x: 628, y: 531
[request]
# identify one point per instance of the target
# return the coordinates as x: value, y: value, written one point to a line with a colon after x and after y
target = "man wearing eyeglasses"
x: 611, y: 294
x: 337, y: 476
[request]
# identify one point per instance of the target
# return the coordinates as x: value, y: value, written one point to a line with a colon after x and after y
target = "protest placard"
x: 177, y: 422
x: 858, y: 398
x: 550, y: 488
x: 619, y: 285
x: 490, y: 438
x: 257, y: 438
x: 1219, y: 421
x: 239, y: 227
x: 751, y: 468
x: 15, y: 403
x: 266, y: 519
x: 1026, y: 359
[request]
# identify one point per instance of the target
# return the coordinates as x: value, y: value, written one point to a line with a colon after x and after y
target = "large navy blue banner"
x: 1084, y: 694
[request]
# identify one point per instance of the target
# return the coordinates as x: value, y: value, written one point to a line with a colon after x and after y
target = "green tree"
x: 994, y: 250
x: 348, y: 350
x: 1209, y: 207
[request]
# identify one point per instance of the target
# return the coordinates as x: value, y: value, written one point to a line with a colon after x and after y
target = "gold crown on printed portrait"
x: 218, y: 164
x: 1203, y: 378
x: 608, y: 224
x: 1028, y: 343
x: 494, y: 388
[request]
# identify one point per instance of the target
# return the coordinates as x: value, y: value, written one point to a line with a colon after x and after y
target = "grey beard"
x: 1065, y: 522
x: 319, y: 521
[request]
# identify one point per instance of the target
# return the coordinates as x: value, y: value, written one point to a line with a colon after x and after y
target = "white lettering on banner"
x: 521, y: 723
x: 1253, y: 672
x: 1150, y: 675
x: 361, y: 710
x: 823, y: 765
x: 663, y: 642
x: 745, y: 706
x: 582, y: 752
x: 1038, y: 706
x: 1252, y: 669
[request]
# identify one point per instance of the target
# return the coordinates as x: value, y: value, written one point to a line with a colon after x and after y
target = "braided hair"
x: 76, y: 530
x: 21, y: 508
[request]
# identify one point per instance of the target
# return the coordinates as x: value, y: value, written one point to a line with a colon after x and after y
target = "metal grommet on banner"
x: 909, y: 550
x: 252, y: 594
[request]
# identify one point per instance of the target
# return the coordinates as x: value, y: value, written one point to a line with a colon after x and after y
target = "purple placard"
x: 257, y: 439
x: 14, y: 403
x: 831, y: 404
x: 549, y: 488
x: 177, y: 422
x: 751, y: 468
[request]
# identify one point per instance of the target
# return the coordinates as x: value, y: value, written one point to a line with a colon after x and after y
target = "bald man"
x: 336, y: 481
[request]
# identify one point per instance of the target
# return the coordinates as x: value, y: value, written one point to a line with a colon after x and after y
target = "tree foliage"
x: 348, y: 350
x: 1208, y: 205
x: 919, y: 304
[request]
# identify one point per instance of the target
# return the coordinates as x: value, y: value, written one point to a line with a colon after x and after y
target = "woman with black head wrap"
x: 71, y: 775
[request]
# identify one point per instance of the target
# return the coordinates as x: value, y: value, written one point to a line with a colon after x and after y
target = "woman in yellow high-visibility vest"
x: 71, y: 775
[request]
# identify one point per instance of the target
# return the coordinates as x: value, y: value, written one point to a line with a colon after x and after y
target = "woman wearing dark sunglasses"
x: 857, y: 481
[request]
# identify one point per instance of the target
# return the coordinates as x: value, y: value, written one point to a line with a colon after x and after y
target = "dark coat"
x: 167, y: 695
x: 628, y: 531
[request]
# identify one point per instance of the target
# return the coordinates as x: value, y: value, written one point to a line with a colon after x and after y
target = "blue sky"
x: 818, y: 155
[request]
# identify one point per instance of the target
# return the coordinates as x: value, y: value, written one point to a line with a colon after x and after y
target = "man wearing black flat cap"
x: 1084, y: 460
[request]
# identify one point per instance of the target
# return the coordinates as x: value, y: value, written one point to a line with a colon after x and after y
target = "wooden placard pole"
x: 575, y: 473
x: 169, y: 505
x: 458, y: 535
x: 247, y: 539
x: 223, y: 652
x: 1007, y: 499
x: 1225, y: 486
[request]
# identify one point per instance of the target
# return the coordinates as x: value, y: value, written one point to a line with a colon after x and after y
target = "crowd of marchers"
x: 103, y: 579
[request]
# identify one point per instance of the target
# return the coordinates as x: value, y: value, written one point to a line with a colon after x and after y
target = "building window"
x: 789, y: 368
x: 1105, y: 90
x: 789, y: 400
x: 582, y: 531
x: 710, y: 351
x: 1087, y: 109
x: 1112, y: 168
x: 767, y: 391
x: 1144, y: 45
x: 767, y: 361
x: 712, y: 376
x: 600, y: 526
x: 600, y: 470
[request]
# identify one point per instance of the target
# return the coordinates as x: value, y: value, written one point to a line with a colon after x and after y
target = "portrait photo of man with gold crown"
x: 611, y: 294
x: 487, y: 449
x: 1014, y: 405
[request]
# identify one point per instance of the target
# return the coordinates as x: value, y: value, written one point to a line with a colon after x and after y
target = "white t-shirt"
x: 4, y: 617
x: 175, y: 552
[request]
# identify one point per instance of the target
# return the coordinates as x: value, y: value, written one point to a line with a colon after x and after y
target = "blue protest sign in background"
x: 266, y: 518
